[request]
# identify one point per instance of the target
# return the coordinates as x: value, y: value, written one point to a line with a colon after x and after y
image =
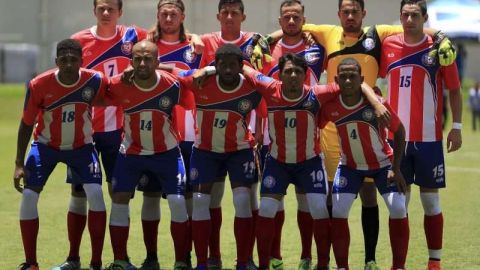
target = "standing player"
x: 365, y: 153
x: 150, y: 147
x: 291, y: 20
x: 58, y: 105
x: 106, y: 47
x: 415, y: 82
x: 174, y: 50
x: 230, y: 15
x: 351, y: 40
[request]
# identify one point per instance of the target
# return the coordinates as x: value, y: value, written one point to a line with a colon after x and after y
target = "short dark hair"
x: 288, y: 3
x: 361, y: 2
x: 119, y: 3
x: 229, y: 49
x: 295, y: 59
x: 421, y: 3
x: 225, y: 2
x: 350, y: 62
x: 70, y: 45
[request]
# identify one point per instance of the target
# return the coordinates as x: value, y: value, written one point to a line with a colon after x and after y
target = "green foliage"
x: 459, y: 203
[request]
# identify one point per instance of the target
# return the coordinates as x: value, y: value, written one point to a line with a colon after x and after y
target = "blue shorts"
x: 205, y: 166
x: 348, y: 180
x: 107, y: 145
x: 42, y: 159
x: 309, y: 175
x: 165, y: 170
x: 424, y: 165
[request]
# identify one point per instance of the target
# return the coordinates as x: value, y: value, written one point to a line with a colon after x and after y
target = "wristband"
x: 456, y: 125
x: 210, y: 70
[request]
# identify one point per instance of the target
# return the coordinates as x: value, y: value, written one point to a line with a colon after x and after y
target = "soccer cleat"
x: 371, y: 265
x: 149, y: 264
x: 201, y: 267
x: 305, y: 264
x: 95, y: 267
x: 121, y: 265
x: 214, y: 263
x: 189, y: 260
x: 251, y: 265
x: 321, y: 268
x: 27, y: 266
x: 180, y: 266
x: 275, y: 264
x: 433, y: 265
x: 68, y: 265
x: 238, y: 267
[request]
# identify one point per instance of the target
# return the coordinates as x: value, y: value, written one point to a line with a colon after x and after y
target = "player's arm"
x: 381, y: 112
x: 264, y: 85
x: 395, y: 175
x: 23, y: 138
x: 454, y: 138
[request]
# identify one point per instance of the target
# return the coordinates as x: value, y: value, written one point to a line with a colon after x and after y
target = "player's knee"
x: 241, y: 202
x: 396, y: 204
x: 119, y: 215
x: 341, y: 204
x: 151, y: 208
x: 201, y: 203
x: 268, y: 207
x: 78, y: 205
x: 317, y: 204
x: 430, y: 203
x: 94, y: 197
x: 254, y: 196
x: 302, y: 203
x: 28, y: 207
x: 178, y: 208
x: 217, y: 191
x: 368, y: 194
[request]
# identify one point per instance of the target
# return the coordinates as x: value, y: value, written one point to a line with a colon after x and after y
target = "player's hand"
x: 308, y: 39
x: 261, y: 51
x: 454, y: 140
x: 196, y: 44
x: 383, y: 115
x: 199, y: 78
x: 443, y: 49
x: 127, y: 75
x: 18, y: 174
x: 396, y: 177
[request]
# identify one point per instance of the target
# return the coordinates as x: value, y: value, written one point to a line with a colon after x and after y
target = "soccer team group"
x: 171, y: 113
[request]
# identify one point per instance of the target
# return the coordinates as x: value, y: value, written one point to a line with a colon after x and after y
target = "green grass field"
x: 460, y: 205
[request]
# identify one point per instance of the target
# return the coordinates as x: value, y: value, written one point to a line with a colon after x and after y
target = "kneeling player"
x: 59, y: 103
x: 365, y: 153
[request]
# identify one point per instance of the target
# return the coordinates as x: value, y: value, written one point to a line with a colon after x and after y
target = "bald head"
x: 145, y: 46
x: 144, y: 59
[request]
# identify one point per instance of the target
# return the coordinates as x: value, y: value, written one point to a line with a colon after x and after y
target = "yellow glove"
x: 443, y: 48
x: 261, y: 51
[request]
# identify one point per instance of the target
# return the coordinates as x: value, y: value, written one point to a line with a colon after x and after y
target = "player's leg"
x: 241, y: 170
x: 305, y: 227
x: 398, y: 221
x: 346, y: 185
x: 254, y: 205
x: 39, y: 164
x: 370, y: 222
x: 172, y: 177
x: 273, y: 187
x: 215, y: 208
x: 310, y: 177
x: 204, y: 166
x: 186, y: 150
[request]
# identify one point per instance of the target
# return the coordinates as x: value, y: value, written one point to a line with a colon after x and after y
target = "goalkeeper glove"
x: 261, y: 51
x: 443, y: 48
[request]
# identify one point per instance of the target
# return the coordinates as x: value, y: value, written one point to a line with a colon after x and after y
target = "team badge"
x: 248, y: 51
x: 428, y: 61
x: 127, y: 47
x: 367, y: 115
x: 189, y: 56
x: 193, y: 173
x: 87, y: 94
x: 312, y: 57
x: 269, y: 181
x: 368, y: 44
x: 307, y: 104
x: 341, y: 182
x: 244, y: 105
x: 143, y: 181
x: 165, y: 102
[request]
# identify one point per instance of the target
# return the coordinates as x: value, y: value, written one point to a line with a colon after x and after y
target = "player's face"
x: 170, y: 18
x: 68, y: 62
x: 412, y: 19
x: 292, y: 76
x: 144, y: 62
x: 349, y: 80
x: 107, y: 12
x: 230, y: 18
x: 351, y: 16
x: 229, y: 69
x: 291, y: 20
